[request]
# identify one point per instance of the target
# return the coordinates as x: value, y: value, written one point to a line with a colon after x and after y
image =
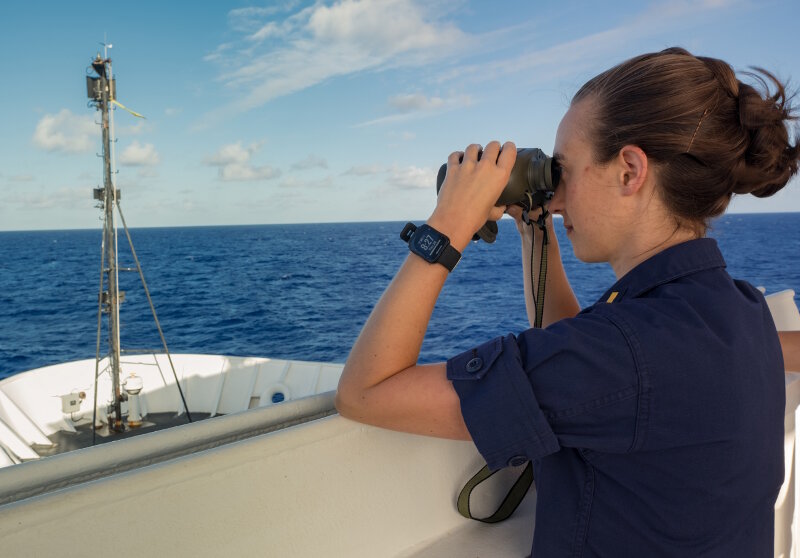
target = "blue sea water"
x: 298, y: 291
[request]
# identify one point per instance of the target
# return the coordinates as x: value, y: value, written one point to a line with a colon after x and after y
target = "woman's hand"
x: 471, y: 189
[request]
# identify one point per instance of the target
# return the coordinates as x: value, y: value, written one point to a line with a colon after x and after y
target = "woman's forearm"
x: 392, y: 336
x: 381, y: 383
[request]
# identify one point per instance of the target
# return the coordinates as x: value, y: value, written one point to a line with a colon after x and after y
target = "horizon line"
x: 505, y: 217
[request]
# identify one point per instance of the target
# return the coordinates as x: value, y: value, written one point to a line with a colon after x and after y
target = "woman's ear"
x: 633, y: 172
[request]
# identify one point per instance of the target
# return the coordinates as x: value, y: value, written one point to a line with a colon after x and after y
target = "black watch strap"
x: 447, y: 256
x: 450, y: 258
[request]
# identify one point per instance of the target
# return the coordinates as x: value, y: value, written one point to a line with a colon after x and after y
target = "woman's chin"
x: 586, y: 254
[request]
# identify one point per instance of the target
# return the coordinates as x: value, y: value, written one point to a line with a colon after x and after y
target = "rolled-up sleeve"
x: 499, y: 406
x: 573, y: 384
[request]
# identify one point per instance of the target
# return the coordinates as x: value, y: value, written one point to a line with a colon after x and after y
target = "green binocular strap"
x: 510, y: 503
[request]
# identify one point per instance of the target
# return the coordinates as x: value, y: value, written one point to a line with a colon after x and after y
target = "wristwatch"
x: 430, y: 245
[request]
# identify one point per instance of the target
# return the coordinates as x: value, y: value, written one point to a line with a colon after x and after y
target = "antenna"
x: 106, y: 45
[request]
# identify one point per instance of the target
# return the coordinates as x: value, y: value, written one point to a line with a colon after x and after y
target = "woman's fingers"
x: 507, y: 156
x: 455, y: 158
x: 490, y: 152
x: 472, y: 152
x: 493, y: 153
x: 475, y: 178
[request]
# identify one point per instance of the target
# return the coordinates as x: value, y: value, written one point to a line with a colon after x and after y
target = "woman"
x: 654, y: 417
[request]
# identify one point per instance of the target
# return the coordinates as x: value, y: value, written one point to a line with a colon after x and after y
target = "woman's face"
x: 586, y: 194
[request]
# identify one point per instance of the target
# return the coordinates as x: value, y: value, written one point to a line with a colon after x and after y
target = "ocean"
x: 299, y: 291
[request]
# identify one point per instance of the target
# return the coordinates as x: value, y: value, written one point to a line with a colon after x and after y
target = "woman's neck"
x: 644, y: 246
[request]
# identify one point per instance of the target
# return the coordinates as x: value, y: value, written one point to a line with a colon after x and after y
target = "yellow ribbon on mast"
x: 120, y: 105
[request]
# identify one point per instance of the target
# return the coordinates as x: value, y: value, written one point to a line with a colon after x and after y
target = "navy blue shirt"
x: 654, y: 417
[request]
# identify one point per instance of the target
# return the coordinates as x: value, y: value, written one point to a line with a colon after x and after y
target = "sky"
x: 329, y: 111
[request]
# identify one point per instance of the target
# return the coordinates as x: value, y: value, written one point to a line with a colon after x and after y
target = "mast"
x: 101, y: 89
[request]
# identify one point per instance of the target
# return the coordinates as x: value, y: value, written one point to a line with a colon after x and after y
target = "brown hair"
x: 709, y: 135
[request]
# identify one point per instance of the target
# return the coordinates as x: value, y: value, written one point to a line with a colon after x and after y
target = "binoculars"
x: 533, y: 181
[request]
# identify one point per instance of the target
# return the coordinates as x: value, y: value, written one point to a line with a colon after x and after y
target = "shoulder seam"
x: 643, y: 376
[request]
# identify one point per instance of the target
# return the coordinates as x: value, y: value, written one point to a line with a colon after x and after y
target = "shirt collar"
x: 668, y: 265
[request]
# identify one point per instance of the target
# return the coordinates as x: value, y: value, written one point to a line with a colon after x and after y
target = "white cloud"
x: 397, y: 176
x: 592, y: 51
x: 248, y: 19
x: 364, y: 170
x: 412, y: 178
x: 234, y: 164
x: 311, y: 162
x: 67, y: 132
x: 243, y: 173
x: 139, y: 155
x: 231, y: 154
x: 414, y: 102
x: 268, y: 31
x: 62, y: 197
x: 218, y: 53
x: 146, y: 172
x: 21, y: 178
x: 279, y: 50
x: 133, y: 130
x: 283, y: 55
x: 404, y: 136
x: 417, y: 105
x: 296, y: 183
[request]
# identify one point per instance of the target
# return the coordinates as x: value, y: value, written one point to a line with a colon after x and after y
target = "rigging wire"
x: 99, y: 324
x: 153, y: 310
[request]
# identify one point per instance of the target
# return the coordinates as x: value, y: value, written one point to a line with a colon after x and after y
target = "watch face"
x: 428, y: 243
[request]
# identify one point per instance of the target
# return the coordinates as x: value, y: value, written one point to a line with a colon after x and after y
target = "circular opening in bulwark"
x: 276, y: 393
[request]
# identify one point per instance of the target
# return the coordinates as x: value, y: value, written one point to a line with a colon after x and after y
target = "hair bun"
x: 769, y: 158
x: 710, y: 135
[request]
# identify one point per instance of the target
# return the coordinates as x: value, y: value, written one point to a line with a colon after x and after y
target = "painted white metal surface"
x: 327, y: 488
x: 787, y: 506
x: 784, y: 311
x: 785, y: 513
x: 31, y: 402
x: 18, y: 421
x: 73, y: 468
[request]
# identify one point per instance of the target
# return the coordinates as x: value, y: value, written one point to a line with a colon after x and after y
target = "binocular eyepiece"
x: 533, y: 181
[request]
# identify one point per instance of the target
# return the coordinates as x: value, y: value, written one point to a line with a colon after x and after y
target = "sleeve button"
x: 474, y: 365
x: 517, y: 460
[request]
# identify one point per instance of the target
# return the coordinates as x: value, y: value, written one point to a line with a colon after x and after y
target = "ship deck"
x: 64, y: 441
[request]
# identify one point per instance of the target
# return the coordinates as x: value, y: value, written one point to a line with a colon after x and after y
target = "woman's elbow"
x: 349, y: 397
x: 342, y: 403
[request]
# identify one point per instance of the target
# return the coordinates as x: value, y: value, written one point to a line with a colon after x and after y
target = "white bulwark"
x: 267, y: 479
